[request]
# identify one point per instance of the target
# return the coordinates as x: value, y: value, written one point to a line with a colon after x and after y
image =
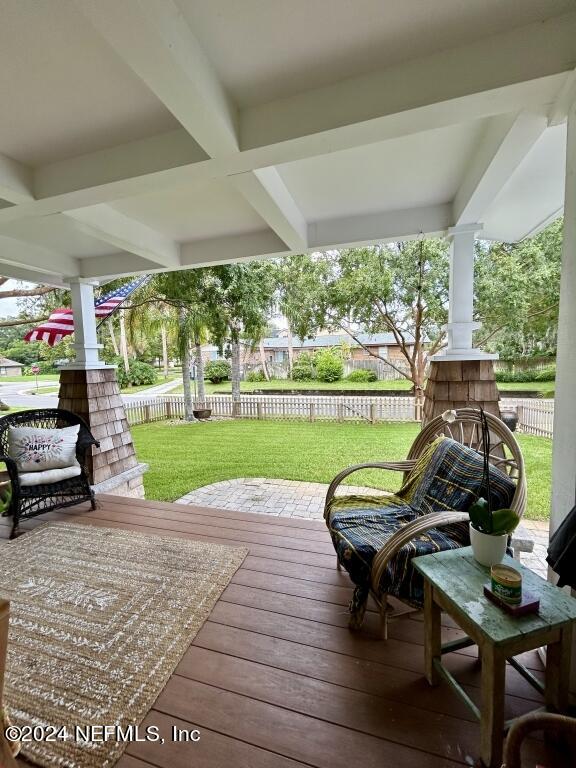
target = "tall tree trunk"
x: 200, y: 373
x: 290, y: 351
x: 115, y: 347
x: 123, y: 342
x: 235, y: 365
x: 186, y: 363
x: 164, y: 335
x: 263, y: 360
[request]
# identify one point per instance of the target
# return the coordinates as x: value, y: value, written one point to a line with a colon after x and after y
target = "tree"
x: 400, y: 288
x: 193, y: 294
x: 244, y: 294
x: 517, y: 287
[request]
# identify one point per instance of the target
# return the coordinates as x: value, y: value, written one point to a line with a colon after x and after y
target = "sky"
x: 9, y: 307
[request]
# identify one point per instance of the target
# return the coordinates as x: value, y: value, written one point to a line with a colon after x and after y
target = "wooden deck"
x: 274, y: 679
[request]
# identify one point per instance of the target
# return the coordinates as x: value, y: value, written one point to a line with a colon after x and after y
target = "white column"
x: 564, y: 444
x: 461, y: 325
x: 564, y: 447
x: 85, y: 337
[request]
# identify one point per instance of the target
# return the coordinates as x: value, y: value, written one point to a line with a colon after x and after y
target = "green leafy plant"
x: 482, y: 517
x: 256, y: 375
x: 362, y: 375
x: 139, y: 374
x: 303, y: 368
x: 217, y: 371
x: 329, y: 366
x: 493, y: 522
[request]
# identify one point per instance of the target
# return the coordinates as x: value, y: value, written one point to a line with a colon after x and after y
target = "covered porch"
x: 275, y: 679
x: 143, y: 137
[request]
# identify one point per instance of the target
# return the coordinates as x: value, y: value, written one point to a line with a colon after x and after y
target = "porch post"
x: 461, y: 375
x: 564, y: 446
x: 461, y: 292
x: 564, y: 443
x: 85, y: 337
x: 89, y: 388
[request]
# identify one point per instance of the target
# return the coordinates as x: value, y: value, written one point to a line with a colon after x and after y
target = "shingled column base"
x: 456, y: 384
x: 94, y: 394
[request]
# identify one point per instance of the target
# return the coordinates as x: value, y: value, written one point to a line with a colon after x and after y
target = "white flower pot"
x: 488, y: 550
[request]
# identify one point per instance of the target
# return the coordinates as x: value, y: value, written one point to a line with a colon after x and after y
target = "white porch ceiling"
x: 142, y: 136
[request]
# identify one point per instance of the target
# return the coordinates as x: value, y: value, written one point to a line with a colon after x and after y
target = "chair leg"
x: 338, y: 566
x: 384, y: 617
x: 93, y: 504
x: 15, y: 511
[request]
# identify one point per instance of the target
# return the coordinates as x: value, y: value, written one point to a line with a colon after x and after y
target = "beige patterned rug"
x: 100, y: 618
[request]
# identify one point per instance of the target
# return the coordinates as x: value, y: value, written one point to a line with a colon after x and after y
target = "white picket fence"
x: 535, y: 416
x: 303, y: 407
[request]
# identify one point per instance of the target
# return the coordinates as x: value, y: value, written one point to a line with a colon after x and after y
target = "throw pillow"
x: 35, y: 450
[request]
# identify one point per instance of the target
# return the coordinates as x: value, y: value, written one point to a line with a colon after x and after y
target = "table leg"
x: 558, y: 657
x: 492, y: 708
x: 433, y: 637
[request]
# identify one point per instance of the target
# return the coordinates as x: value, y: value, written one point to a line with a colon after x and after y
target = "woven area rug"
x: 100, y: 618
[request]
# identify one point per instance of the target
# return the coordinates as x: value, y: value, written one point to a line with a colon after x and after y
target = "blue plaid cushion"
x: 448, y: 477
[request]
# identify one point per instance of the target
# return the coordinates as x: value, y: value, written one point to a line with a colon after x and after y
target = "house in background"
x: 10, y: 367
x: 382, y: 344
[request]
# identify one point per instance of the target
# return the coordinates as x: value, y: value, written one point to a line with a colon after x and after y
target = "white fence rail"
x: 325, y: 408
x: 535, y: 417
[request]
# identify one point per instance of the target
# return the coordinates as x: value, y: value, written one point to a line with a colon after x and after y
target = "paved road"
x: 14, y: 394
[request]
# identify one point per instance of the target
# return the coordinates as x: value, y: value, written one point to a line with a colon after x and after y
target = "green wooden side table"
x: 454, y: 582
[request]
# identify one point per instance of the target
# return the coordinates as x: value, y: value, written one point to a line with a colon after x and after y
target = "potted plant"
x: 489, y: 529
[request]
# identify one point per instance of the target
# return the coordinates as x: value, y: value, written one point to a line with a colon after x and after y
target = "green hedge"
x: 217, y: 371
x: 362, y: 375
x: 544, y: 374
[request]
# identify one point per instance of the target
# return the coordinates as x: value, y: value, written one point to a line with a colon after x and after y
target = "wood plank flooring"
x: 274, y: 679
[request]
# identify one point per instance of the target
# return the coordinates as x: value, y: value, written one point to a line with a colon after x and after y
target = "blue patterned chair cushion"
x: 448, y: 476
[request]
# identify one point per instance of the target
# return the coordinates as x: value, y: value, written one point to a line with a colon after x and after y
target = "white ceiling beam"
x: 154, y: 39
x: 198, y: 253
x: 122, y: 164
x: 564, y: 101
x: 35, y: 258
x: 15, y: 181
x: 267, y: 193
x: 517, y: 56
x: 110, y: 226
x: 507, y: 141
x: 384, y: 226
x: 29, y: 276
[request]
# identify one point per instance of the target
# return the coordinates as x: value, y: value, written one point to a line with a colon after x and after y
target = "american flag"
x: 61, y: 321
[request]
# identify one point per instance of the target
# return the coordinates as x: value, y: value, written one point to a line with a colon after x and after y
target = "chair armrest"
x: 406, y: 534
x: 397, y: 466
x: 12, y: 469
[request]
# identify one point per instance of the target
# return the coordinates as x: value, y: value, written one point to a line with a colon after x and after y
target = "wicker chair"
x: 31, y: 500
x: 559, y: 732
x: 464, y: 426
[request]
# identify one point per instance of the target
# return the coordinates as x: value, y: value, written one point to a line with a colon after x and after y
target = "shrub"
x: 217, y: 371
x: 139, y: 374
x: 256, y: 375
x: 329, y: 366
x: 302, y: 372
x: 546, y: 374
x: 362, y: 375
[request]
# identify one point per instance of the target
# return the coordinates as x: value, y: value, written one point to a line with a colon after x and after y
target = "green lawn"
x: 197, y: 454
x: 29, y: 379
x: 250, y: 386
x: 546, y: 388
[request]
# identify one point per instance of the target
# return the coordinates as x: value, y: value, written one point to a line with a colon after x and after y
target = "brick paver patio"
x: 293, y: 498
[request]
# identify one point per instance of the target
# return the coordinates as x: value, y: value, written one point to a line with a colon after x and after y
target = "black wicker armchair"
x: 31, y: 500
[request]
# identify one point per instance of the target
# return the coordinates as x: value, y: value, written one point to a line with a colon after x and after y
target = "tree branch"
x: 528, y: 317
x: 22, y: 321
